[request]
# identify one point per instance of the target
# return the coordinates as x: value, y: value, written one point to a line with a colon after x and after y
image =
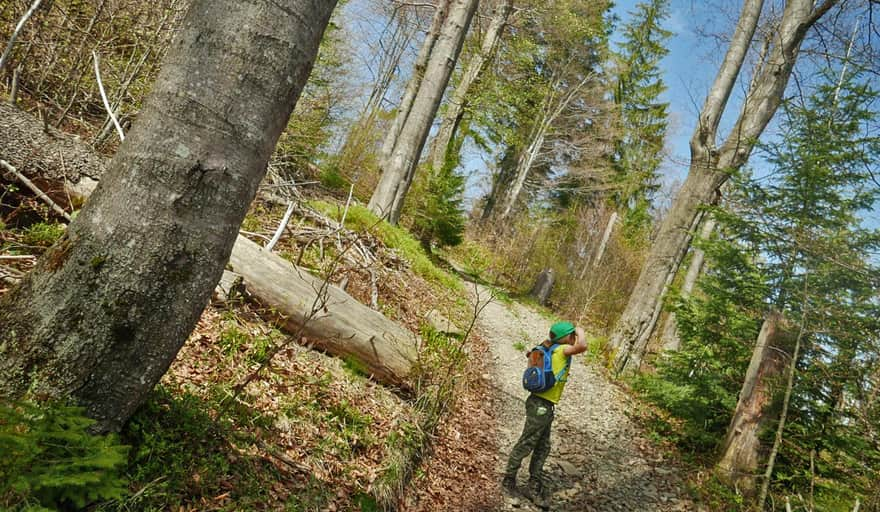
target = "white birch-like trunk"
x: 710, y: 164
x: 399, y: 168
x: 554, y: 105
x: 605, y: 237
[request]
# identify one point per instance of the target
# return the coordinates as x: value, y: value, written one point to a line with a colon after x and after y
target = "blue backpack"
x: 539, y: 376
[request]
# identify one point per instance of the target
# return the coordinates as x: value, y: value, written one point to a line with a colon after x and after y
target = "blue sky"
x: 688, y: 72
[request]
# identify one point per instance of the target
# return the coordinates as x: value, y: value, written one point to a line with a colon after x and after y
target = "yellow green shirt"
x: 558, y: 363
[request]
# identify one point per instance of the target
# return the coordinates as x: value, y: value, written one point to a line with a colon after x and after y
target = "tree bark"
x: 543, y: 286
x: 739, y: 461
x: 670, y: 338
x: 343, y: 327
x: 457, y: 104
x: 711, y: 165
x: 346, y: 329
x: 605, y: 237
x: 107, y: 308
x: 398, y: 169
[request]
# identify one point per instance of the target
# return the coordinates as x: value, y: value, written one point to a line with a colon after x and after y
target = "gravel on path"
x: 601, y: 459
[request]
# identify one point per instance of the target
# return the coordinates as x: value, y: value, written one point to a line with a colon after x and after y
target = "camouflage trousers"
x: 535, y: 439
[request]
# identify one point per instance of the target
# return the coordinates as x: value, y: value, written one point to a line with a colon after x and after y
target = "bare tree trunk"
x: 739, y: 461
x: 605, y: 237
x: 710, y: 165
x: 344, y: 327
x: 107, y: 308
x: 670, y: 338
x: 553, y: 106
x: 783, y: 414
x: 399, y: 167
x: 543, y: 286
x: 415, y: 82
x: 458, y: 102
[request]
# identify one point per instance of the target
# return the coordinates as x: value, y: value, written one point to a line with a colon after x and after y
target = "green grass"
x: 361, y: 219
x: 182, y: 453
x: 42, y: 234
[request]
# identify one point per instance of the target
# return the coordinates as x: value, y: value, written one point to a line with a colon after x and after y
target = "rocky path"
x: 600, y: 458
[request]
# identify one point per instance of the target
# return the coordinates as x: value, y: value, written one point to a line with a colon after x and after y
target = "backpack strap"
x: 562, y: 376
x: 564, y: 371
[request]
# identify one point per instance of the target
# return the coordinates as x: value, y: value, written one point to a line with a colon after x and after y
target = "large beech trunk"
x: 108, y: 307
x: 739, y: 460
x: 414, y: 122
x: 342, y: 325
x: 711, y: 165
x: 456, y: 106
x: 347, y: 328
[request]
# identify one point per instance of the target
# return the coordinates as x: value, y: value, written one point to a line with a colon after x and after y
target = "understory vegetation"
x: 551, y: 189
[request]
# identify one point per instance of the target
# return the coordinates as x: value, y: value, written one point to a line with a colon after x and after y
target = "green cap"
x: 560, y: 330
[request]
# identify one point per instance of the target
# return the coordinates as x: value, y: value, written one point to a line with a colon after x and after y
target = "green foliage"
x: 235, y: 339
x: 361, y: 219
x: 182, y: 452
x: 250, y: 223
x: 331, y: 178
x: 49, y: 458
x: 643, y: 117
x: 793, y: 241
x: 437, y: 205
x: 319, y: 106
x: 42, y: 234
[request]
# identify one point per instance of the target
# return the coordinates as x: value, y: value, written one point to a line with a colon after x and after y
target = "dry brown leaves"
x: 314, y: 420
x: 460, y: 473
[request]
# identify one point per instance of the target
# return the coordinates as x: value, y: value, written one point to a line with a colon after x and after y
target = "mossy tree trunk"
x: 108, y: 307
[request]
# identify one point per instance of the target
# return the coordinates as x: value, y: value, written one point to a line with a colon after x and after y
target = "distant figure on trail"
x: 553, y: 359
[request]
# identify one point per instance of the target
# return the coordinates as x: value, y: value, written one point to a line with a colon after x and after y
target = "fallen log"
x: 341, y: 326
x: 344, y: 327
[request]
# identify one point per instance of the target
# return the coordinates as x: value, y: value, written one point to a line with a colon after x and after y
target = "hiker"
x: 535, y: 437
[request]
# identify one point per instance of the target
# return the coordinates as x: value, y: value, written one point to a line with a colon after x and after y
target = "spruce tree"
x: 643, y: 116
x: 794, y: 239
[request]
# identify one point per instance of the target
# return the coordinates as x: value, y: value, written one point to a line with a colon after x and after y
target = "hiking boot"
x: 537, y: 493
x: 509, y: 484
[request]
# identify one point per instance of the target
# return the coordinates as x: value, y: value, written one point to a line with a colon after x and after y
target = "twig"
x: 13, y: 92
x: 36, y: 190
x: 374, y: 290
x: 21, y: 22
x: 104, y: 96
x: 250, y: 233
x: 281, y: 227
x: 17, y: 257
x: 275, y: 453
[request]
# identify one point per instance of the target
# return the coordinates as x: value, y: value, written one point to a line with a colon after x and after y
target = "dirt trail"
x: 600, y: 458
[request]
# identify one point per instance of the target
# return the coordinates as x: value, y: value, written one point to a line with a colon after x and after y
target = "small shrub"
x: 50, y: 458
x: 331, y: 179
x: 42, y: 234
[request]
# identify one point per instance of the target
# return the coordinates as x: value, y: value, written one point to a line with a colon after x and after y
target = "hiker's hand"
x: 581, y: 336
